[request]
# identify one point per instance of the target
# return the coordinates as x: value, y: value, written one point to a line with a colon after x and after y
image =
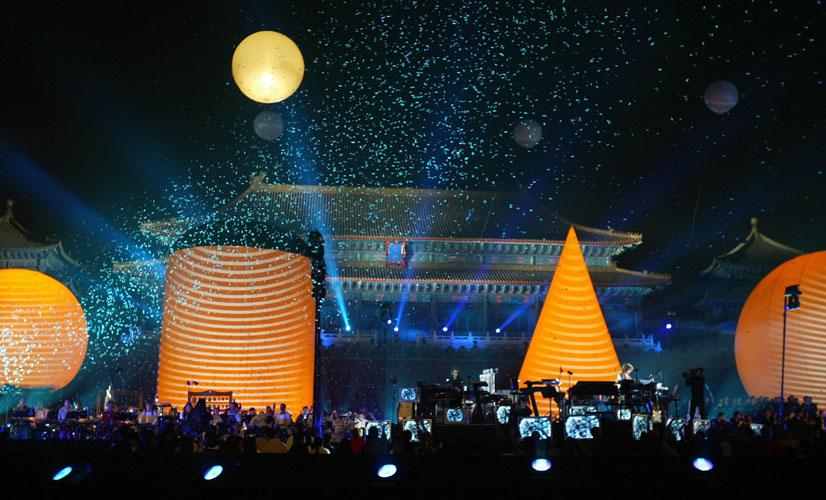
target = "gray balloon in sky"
x: 268, y: 125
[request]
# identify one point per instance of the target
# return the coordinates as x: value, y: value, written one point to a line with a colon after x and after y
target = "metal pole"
x: 317, y: 419
x: 783, y: 362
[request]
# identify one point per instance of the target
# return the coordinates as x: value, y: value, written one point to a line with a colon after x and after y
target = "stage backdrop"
x: 238, y: 319
x: 759, y: 341
x: 571, y: 334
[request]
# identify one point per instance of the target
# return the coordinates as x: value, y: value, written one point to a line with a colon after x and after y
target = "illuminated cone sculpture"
x: 571, y: 334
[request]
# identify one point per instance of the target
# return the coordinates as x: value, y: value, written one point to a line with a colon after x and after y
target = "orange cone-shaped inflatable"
x: 571, y: 334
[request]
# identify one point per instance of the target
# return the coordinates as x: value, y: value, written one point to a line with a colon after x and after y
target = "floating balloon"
x: 721, y: 97
x: 268, y: 125
x: 527, y: 133
x: 267, y: 67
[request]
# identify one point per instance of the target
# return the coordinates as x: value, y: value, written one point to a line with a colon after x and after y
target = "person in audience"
x: 283, y: 418
x: 274, y: 442
x: 357, y: 442
x: 258, y: 422
x: 63, y: 412
x: 149, y: 416
x: 317, y: 447
x: 809, y: 407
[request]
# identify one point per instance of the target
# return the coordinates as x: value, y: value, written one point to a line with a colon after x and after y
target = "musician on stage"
x: 22, y: 410
x: 695, y: 379
x: 626, y: 372
x: 455, y: 380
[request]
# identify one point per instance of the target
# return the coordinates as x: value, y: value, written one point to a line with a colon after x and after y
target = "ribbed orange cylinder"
x: 238, y: 319
x: 43, y: 335
x: 571, y: 334
x: 758, y: 343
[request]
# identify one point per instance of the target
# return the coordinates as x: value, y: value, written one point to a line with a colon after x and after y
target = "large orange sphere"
x: 759, y: 340
x: 43, y: 335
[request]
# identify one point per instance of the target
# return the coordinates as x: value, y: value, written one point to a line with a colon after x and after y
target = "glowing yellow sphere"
x: 43, y: 334
x: 267, y: 67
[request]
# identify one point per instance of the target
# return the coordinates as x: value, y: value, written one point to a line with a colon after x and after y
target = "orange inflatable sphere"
x: 759, y: 341
x: 43, y: 335
x: 238, y: 319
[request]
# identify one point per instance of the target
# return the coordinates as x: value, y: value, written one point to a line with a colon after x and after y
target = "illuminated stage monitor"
x: 579, y: 427
x: 503, y: 414
x: 529, y: 425
x: 384, y: 428
x: 641, y: 424
x: 416, y: 428
x: 408, y: 394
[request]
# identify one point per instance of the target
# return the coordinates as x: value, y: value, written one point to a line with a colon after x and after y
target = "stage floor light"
x: 703, y: 464
x: 387, y: 471
x: 62, y: 473
x: 541, y: 465
x: 213, y: 472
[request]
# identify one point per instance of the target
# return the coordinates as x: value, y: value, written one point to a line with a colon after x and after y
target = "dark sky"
x: 130, y: 112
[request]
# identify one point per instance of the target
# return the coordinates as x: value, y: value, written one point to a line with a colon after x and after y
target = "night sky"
x: 130, y: 113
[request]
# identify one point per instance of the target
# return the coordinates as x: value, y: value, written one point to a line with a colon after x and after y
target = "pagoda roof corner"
x: 756, y: 253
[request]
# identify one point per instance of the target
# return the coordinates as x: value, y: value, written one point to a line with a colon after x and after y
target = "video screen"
x: 384, y: 428
x: 529, y: 425
x: 641, y: 424
x: 579, y: 427
x: 414, y: 428
x: 408, y: 394
x: 396, y: 252
x: 503, y: 414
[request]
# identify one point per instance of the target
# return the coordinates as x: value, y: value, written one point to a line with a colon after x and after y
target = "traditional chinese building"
x: 19, y: 250
x: 731, y: 277
x: 441, y: 264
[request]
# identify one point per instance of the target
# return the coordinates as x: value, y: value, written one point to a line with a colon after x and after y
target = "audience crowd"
x: 235, y: 431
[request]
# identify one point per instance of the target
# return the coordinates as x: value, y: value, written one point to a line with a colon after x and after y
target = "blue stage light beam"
x: 454, y: 315
x: 299, y: 155
x: 516, y: 313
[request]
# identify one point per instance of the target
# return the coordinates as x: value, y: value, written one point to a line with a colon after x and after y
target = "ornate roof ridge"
x: 13, y: 226
x: 630, y: 272
x: 753, y: 237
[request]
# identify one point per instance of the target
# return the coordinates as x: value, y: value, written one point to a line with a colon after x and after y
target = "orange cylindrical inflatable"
x: 43, y: 335
x: 758, y: 343
x: 238, y: 319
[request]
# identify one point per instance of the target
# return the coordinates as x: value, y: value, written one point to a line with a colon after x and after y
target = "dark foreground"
x: 31, y: 465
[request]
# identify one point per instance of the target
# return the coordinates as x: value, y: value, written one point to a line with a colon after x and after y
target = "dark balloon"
x: 268, y: 125
x: 721, y: 97
x: 527, y: 133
